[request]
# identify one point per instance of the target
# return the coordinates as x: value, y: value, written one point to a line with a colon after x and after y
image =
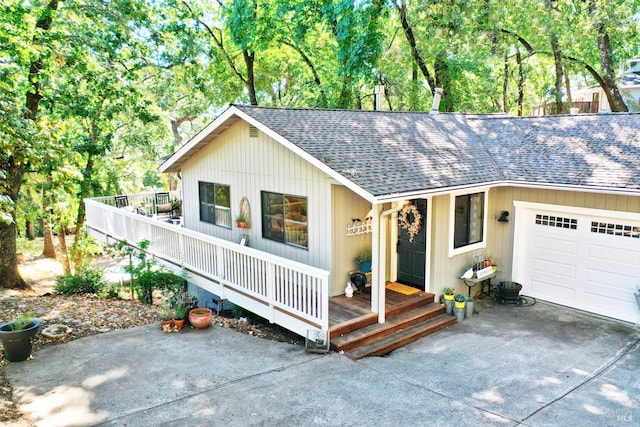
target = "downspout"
x: 381, y: 266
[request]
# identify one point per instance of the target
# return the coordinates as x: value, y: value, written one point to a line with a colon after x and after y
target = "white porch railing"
x: 289, y: 293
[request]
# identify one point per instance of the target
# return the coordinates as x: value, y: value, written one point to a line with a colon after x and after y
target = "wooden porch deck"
x: 345, y: 310
x: 410, y: 314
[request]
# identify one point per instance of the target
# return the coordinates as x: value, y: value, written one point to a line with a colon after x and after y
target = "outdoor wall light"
x: 504, y: 216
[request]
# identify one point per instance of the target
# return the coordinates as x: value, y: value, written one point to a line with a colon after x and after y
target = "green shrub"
x: 146, y: 273
x: 89, y: 281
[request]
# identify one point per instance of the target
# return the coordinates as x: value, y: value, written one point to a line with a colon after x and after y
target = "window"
x: 284, y: 218
x: 215, y: 206
x: 468, y: 220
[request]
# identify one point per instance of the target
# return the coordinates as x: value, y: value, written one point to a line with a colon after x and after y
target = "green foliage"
x: 239, y: 312
x: 180, y: 312
x: 448, y: 291
x: 166, y: 313
x: 147, y: 274
x: 22, y: 322
x: 364, y: 256
x: 459, y: 297
x: 89, y: 281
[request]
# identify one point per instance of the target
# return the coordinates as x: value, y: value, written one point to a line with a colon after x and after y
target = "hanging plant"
x: 410, y: 220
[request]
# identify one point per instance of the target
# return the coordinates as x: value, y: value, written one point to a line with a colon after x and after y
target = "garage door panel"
x: 561, y: 271
x: 592, y: 263
x: 615, y: 281
x: 611, y: 307
x: 613, y: 254
x: 551, y: 244
x: 550, y: 290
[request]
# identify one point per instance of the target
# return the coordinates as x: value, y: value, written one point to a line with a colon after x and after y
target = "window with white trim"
x: 284, y: 218
x: 468, y: 220
x: 215, y: 205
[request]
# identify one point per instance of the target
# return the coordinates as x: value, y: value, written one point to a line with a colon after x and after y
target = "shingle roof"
x: 597, y: 150
x: 386, y: 152
x: 389, y: 153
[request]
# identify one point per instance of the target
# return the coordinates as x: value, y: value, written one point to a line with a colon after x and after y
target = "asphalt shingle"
x: 388, y: 153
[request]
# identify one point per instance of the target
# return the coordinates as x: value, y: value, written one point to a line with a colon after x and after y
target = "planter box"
x: 484, y: 273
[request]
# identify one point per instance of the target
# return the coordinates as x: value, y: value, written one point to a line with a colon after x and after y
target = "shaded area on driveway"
x: 538, y: 365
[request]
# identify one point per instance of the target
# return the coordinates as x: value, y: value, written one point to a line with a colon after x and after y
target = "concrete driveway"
x: 534, y: 366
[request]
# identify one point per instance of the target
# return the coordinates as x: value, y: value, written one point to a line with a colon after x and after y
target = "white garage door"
x: 582, y: 258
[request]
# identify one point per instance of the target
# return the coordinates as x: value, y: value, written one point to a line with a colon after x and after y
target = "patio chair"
x: 163, y: 205
x: 121, y: 201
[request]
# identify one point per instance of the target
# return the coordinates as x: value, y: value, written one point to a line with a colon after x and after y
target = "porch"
x: 288, y: 293
x: 410, y: 314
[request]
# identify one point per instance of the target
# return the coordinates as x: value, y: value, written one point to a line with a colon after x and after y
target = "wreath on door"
x: 410, y: 220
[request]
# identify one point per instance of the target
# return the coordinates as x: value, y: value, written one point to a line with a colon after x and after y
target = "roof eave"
x: 175, y: 161
x: 387, y: 198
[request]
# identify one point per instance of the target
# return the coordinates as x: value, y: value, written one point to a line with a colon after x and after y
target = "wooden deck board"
x: 343, y: 309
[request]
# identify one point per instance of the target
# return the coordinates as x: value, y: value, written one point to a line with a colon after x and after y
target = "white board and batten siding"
x: 250, y: 164
x: 583, y: 258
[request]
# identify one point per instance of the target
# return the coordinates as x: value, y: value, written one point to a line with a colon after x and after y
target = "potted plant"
x: 179, y: 316
x: 447, y: 294
x: 200, y: 318
x: 166, y: 318
x: 16, y: 336
x: 458, y: 309
x: 241, y: 221
x: 176, y: 207
x: 364, y: 261
x: 508, y: 292
x: 459, y: 300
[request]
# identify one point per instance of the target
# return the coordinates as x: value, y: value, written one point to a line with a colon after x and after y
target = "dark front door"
x: 412, y: 255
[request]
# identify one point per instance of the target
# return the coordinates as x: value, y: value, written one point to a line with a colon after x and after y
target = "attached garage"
x: 582, y: 258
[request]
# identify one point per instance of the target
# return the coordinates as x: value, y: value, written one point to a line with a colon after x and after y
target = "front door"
x: 412, y: 255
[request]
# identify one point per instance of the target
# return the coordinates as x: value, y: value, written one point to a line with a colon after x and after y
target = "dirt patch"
x: 91, y: 315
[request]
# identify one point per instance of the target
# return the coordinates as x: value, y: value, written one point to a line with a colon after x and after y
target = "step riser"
x: 414, y: 303
x: 346, y: 328
x: 390, y: 329
x: 381, y: 351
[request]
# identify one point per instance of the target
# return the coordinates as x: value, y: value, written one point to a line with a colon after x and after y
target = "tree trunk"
x: 610, y: 88
x: 567, y: 88
x: 557, y: 59
x: 30, y: 230
x: 443, y: 81
x: 249, y: 60
x: 345, y: 99
x: 85, y: 191
x: 62, y: 246
x: 177, y: 142
x: 49, y: 250
x: 324, y: 103
x: 521, y: 79
x: 411, y: 39
x: 505, y: 85
x: 9, y: 274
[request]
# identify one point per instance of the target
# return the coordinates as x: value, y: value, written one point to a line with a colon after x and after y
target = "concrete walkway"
x: 536, y: 366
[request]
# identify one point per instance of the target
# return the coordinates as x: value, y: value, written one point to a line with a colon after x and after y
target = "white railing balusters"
x: 297, y: 293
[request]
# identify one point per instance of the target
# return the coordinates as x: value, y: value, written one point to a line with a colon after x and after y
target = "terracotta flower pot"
x: 200, y: 317
x: 178, y: 323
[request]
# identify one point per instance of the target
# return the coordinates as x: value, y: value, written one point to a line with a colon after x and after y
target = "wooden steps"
x: 405, y: 323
